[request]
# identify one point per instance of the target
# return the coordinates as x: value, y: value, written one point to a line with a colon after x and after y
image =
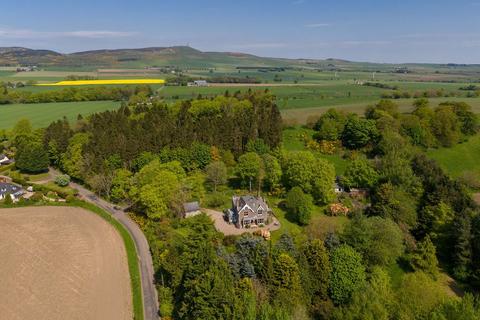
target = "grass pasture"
x: 42, y: 114
x: 460, y: 159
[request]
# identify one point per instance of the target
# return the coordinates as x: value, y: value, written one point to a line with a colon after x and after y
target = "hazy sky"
x: 361, y: 30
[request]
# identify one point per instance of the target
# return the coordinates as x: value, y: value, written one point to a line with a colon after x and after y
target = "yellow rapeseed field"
x: 104, y: 82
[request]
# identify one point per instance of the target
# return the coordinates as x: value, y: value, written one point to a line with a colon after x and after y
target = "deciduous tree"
x: 348, y: 274
x: 299, y: 205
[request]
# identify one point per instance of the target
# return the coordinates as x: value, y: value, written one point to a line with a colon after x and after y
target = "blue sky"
x: 362, y: 30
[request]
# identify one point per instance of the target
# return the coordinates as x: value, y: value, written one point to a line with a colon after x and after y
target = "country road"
x: 150, y: 299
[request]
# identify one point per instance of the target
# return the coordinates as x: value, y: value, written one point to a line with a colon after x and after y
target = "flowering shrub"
x: 337, y: 209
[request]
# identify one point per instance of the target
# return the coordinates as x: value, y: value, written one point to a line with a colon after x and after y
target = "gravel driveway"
x: 229, y: 229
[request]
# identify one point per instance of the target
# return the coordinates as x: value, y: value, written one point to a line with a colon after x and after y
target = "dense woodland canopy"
x: 414, y: 216
x: 228, y: 123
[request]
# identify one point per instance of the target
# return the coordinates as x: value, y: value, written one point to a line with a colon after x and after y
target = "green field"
x: 302, y: 90
x: 42, y: 114
x: 462, y: 158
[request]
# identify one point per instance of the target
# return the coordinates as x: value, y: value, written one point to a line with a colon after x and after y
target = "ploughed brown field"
x: 61, y: 263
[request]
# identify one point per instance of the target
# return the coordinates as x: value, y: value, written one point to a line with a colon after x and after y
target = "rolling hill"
x: 134, y: 58
x: 185, y: 57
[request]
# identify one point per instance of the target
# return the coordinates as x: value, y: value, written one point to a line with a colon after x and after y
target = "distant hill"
x: 187, y: 57
x: 23, y: 56
x: 134, y: 58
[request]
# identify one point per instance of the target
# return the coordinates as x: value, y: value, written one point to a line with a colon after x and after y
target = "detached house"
x: 248, y: 211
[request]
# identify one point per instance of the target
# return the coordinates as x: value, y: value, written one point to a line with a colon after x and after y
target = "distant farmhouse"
x: 27, y: 69
x: 198, y: 83
x: 248, y: 211
x: 12, y: 190
x: 191, y: 209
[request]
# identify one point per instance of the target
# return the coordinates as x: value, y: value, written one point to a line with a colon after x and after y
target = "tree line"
x: 184, y: 131
x: 446, y: 125
x: 73, y: 94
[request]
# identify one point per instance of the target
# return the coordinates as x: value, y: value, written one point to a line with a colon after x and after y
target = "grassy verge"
x: 130, y: 248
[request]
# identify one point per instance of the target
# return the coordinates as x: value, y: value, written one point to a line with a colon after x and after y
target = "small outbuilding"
x: 191, y: 209
x: 198, y: 83
x: 4, y: 160
x: 12, y: 190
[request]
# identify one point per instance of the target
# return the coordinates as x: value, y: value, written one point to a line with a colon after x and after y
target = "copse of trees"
x: 445, y: 125
x: 183, y: 132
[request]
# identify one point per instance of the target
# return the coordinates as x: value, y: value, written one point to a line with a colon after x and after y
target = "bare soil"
x: 61, y: 263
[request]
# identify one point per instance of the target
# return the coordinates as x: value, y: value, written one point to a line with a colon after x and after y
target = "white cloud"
x: 317, y: 25
x: 92, y: 34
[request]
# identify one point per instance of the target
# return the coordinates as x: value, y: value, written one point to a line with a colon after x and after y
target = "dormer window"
x: 260, y: 211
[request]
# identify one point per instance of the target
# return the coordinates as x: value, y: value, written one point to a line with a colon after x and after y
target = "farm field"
x: 104, y: 82
x: 62, y: 263
x: 42, y: 114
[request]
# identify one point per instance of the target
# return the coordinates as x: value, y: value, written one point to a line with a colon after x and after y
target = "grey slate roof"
x: 251, y: 201
x: 12, y: 189
x: 191, y: 206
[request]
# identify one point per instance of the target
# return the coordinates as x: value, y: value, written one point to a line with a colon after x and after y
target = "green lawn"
x: 319, y: 224
x: 464, y: 157
x: 42, y: 114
